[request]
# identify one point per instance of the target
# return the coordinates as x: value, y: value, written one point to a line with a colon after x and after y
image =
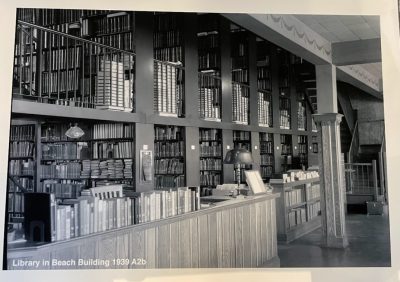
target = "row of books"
x: 22, y: 132
x: 210, y: 178
x: 210, y: 149
x: 61, y: 81
x: 63, y: 170
x: 207, y: 40
x: 313, y: 191
x: 108, y: 169
x: 294, y: 197
x: 21, y: 167
x: 111, y: 87
x: 210, y: 135
x: 113, y: 23
x: 169, y: 54
x: 16, y: 203
x: 169, y: 149
x: 27, y: 183
x: 63, y: 189
x: 209, y: 61
x: 55, y: 41
x: 210, y: 103
x: 313, y: 210
x: 303, y: 149
x: 266, y: 137
x: 169, y: 38
x: 168, y: 93
x: 167, y: 21
x: 52, y: 16
x: 113, y: 131
x: 169, y: 166
x: 267, y: 171
x: 63, y: 151
x: 28, y: 15
x: 156, y: 205
x: 263, y: 72
x: 118, y: 150
x: 241, y: 135
x: 264, y: 109
x: 123, y: 41
x: 284, y: 119
x: 240, y: 103
x: 240, y: 75
x: 168, y: 133
x: 210, y: 164
x: 301, y: 116
x: 169, y: 181
x: 21, y: 149
x: 296, y: 217
x: 286, y: 149
x: 266, y: 147
x: 61, y: 59
x: 267, y: 159
x: 264, y: 84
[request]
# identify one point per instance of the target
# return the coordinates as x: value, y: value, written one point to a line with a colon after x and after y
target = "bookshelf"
x: 298, y: 208
x: 72, y: 67
x: 103, y: 156
x: 240, y: 75
x: 242, y: 139
x: 286, y: 151
x: 168, y: 64
x: 314, y: 144
x: 267, y: 155
x: 169, y: 156
x: 209, y: 67
x: 301, y: 112
x: 284, y: 82
x: 21, y: 169
x: 302, y: 141
x: 264, y: 83
x: 211, y: 159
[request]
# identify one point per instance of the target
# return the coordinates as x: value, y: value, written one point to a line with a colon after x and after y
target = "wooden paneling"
x: 241, y: 233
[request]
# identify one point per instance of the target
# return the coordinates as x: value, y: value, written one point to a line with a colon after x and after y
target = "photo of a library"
x: 149, y: 140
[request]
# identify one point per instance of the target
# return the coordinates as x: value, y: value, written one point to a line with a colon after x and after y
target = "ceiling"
x: 343, y: 28
x: 339, y: 28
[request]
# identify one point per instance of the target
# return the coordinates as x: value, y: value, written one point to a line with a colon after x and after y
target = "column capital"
x: 328, y: 117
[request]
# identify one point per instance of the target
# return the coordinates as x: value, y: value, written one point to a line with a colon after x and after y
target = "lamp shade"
x: 74, y: 132
x: 238, y: 156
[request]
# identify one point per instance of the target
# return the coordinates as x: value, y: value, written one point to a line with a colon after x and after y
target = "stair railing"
x: 354, y: 144
x: 58, y: 68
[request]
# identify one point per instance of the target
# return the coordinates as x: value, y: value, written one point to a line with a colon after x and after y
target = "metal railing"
x: 169, y: 88
x: 240, y: 102
x: 57, y: 68
x: 354, y: 144
x: 209, y: 96
x: 362, y: 179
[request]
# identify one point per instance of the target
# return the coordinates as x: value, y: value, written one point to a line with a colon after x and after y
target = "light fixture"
x: 237, y: 157
x: 74, y: 132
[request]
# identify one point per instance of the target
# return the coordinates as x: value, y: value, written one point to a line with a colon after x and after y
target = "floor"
x: 369, y: 245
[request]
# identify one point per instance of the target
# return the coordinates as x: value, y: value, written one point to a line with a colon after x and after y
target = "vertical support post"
x: 382, y: 175
x: 192, y: 156
x: 375, y: 179
x: 226, y: 72
x: 253, y: 99
x: 191, y: 67
x: 332, y: 190
x: 227, y: 139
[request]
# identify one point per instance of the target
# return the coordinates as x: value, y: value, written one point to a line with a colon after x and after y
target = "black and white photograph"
x: 151, y: 139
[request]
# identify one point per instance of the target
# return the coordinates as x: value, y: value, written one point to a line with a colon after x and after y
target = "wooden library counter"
x: 231, y: 233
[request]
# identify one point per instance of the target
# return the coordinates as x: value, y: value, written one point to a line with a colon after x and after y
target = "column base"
x: 335, y: 242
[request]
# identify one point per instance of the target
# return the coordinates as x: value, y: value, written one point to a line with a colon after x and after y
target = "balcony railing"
x: 209, y: 97
x: 56, y: 68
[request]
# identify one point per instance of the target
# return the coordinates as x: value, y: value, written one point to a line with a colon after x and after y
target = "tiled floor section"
x: 369, y: 245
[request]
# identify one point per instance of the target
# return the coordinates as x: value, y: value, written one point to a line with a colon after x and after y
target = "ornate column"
x: 332, y: 190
